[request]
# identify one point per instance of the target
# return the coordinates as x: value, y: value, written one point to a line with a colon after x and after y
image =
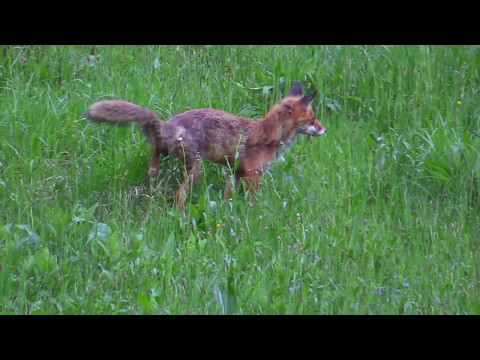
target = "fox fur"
x: 248, y: 146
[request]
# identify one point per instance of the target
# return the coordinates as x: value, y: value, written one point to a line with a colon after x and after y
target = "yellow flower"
x: 459, y: 103
x: 219, y: 225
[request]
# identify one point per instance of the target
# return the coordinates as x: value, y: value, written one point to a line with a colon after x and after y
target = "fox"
x: 245, y: 146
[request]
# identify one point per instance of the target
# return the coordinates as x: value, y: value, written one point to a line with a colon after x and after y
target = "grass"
x: 380, y: 216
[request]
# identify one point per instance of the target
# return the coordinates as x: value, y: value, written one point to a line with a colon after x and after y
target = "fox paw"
x: 152, y: 172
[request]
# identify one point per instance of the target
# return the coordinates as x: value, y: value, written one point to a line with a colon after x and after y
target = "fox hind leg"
x: 252, y: 180
x: 227, y: 194
x: 153, y: 170
x: 193, y: 168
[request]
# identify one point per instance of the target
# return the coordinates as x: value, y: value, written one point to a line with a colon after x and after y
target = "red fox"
x: 245, y: 146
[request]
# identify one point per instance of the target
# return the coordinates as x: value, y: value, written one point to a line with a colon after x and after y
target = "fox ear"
x: 296, y: 89
x: 306, y: 100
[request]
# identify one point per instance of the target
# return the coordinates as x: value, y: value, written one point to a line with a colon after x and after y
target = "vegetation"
x: 379, y: 216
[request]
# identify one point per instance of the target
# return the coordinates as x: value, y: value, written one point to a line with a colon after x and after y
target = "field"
x: 379, y: 216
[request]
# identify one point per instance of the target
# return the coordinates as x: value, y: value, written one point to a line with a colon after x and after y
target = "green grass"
x: 380, y: 216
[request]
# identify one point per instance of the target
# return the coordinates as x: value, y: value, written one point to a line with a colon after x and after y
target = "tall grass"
x: 380, y: 216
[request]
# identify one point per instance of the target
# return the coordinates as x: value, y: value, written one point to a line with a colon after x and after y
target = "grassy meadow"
x: 379, y: 216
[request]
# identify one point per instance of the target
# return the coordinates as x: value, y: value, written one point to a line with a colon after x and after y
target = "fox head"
x: 304, y: 120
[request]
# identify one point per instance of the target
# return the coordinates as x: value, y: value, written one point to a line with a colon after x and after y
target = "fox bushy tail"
x: 123, y: 113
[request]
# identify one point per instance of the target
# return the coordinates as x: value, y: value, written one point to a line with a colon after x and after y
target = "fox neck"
x: 278, y: 129
x: 288, y: 138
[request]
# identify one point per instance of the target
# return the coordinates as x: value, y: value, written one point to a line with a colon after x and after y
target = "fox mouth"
x: 313, y: 131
